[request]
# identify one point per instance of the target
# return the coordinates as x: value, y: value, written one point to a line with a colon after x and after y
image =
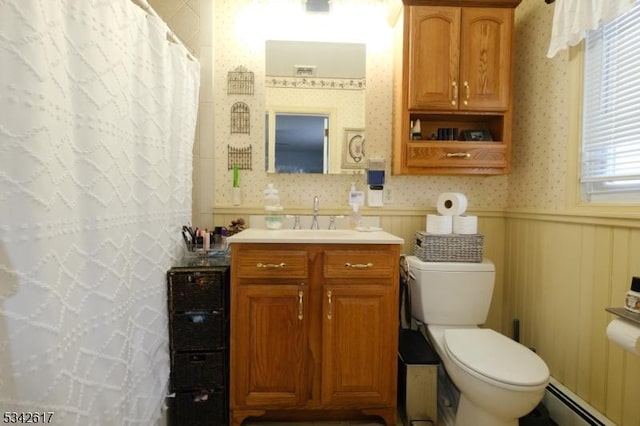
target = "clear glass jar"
x: 273, y: 210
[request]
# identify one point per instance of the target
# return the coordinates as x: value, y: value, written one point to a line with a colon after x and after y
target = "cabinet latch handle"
x: 300, y: 304
x: 454, y: 97
x: 358, y: 265
x: 329, y: 311
x: 458, y: 154
x: 467, y: 92
x: 271, y: 265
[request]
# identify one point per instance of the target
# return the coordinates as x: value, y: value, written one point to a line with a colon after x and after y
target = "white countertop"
x: 319, y: 236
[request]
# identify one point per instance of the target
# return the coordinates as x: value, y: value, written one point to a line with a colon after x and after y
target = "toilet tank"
x: 450, y: 293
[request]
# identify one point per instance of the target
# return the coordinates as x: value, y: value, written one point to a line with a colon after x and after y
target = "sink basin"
x: 341, y: 222
x: 326, y: 236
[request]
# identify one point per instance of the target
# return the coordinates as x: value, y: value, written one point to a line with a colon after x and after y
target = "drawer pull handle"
x: 300, y: 305
x: 358, y: 265
x: 329, y: 312
x: 197, y: 358
x: 458, y: 154
x: 271, y: 265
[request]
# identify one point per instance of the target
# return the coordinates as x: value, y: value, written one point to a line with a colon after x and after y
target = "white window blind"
x: 611, y: 111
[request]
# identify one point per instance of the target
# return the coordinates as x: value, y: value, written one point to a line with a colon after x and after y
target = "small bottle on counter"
x: 223, y: 239
x: 354, y: 218
x: 632, y: 300
x: 206, y: 240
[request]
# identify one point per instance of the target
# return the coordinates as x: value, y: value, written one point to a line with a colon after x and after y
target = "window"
x: 611, y: 112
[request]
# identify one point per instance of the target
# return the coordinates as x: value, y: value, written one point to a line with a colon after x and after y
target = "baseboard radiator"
x: 567, y: 409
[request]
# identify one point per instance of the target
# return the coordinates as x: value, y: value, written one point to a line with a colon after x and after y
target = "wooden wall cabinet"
x: 314, y: 331
x: 453, y: 74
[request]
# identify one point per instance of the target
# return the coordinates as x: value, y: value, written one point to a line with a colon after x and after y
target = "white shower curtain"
x: 97, y: 118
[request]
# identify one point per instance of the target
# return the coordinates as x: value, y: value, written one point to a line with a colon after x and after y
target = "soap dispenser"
x: 355, y: 196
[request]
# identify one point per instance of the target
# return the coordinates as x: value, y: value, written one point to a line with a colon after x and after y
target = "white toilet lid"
x: 494, y: 355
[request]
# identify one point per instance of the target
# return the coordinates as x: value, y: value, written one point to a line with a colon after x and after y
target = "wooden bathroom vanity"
x: 314, y: 325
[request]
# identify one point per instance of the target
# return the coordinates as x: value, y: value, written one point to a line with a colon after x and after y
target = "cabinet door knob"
x: 271, y: 265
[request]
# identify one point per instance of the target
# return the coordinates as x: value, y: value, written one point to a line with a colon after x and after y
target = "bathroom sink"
x: 327, y: 236
x: 341, y: 222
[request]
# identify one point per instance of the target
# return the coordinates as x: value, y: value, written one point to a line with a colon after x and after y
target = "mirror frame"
x: 336, y: 135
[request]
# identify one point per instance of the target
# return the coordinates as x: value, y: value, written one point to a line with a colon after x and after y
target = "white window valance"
x: 573, y: 18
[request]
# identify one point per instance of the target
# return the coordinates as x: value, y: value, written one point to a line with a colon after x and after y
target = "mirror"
x: 315, y: 100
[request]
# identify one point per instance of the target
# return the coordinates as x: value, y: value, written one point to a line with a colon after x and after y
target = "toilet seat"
x: 495, y: 356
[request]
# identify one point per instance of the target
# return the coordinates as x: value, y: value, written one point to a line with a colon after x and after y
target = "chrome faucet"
x: 316, y: 209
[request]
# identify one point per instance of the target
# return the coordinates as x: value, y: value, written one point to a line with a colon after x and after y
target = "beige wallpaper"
x: 214, y: 32
x: 298, y: 190
x: 222, y: 42
x: 540, y: 114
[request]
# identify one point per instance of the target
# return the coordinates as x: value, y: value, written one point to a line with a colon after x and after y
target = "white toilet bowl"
x: 499, y: 379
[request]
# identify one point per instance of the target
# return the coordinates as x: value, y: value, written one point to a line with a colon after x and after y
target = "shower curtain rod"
x: 171, y: 36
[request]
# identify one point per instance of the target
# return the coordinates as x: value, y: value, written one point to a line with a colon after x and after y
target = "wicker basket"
x: 194, y: 290
x: 449, y: 247
x: 197, y: 331
x: 199, y: 408
x: 197, y: 370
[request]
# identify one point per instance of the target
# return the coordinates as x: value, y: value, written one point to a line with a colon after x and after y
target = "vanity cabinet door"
x: 359, y: 337
x: 459, y: 58
x: 434, y: 52
x: 485, y: 59
x: 269, y: 346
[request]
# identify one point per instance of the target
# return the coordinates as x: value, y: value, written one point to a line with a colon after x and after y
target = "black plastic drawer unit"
x: 198, y: 310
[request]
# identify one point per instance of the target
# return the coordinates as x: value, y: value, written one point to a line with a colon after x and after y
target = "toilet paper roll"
x: 451, y: 204
x: 625, y: 334
x: 440, y: 225
x: 465, y: 224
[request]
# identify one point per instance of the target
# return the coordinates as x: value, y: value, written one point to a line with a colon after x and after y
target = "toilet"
x: 499, y: 379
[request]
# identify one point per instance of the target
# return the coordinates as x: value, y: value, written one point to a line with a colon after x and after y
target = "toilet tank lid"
x: 485, y: 266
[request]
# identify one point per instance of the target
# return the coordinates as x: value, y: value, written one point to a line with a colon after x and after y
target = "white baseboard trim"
x: 568, y: 409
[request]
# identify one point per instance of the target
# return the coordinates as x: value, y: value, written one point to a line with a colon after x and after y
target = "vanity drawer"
x: 262, y: 263
x: 359, y: 264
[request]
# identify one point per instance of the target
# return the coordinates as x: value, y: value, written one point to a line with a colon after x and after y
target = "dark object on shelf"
x: 477, y: 135
x: 198, y: 304
x: 447, y: 134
